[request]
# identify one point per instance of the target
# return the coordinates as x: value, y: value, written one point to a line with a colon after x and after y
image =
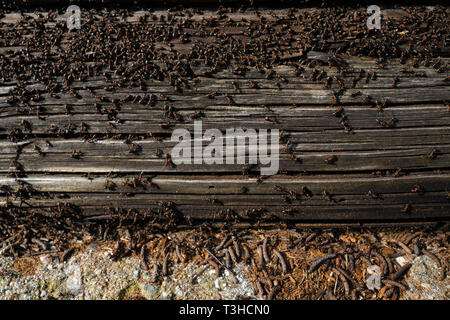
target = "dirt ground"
x: 407, y: 263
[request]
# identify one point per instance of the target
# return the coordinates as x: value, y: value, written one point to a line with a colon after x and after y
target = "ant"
x: 76, y: 154
x: 168, y: 161
x: 331, y: 160
x: 433, y: 154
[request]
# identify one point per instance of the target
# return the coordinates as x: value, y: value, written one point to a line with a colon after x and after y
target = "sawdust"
x: 26, y: 266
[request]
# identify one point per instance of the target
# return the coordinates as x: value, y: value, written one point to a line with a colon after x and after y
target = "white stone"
x: 373, y: 269
x: 44, y: 258
x: 374, y: 281
x: 74, y: 281
x: 401, y: 261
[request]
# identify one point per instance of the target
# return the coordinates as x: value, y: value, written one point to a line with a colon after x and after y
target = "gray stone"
x: 74, y: 280
x: 148, y: 291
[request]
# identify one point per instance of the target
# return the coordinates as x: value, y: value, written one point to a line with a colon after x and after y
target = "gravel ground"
x: 92, y: 273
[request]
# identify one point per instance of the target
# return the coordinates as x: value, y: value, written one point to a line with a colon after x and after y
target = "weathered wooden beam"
x: 385, y: 123
x: 344, y: 184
